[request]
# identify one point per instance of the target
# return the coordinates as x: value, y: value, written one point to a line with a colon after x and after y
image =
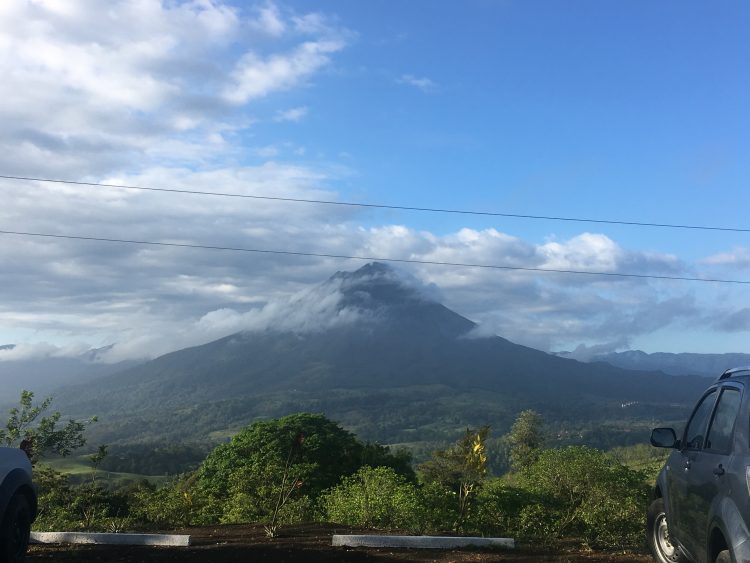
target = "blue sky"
x: 630, y: 111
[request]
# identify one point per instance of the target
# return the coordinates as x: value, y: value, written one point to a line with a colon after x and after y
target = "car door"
x: 705, y: 478
x: 681, y: 506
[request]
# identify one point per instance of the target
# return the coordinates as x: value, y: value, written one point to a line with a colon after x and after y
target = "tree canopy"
x: 526, y: 438
x: 245, y: 474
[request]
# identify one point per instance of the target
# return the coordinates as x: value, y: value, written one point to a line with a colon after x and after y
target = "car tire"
x: 15, y: 530
x: 657, y: 535
x: 724, y: 557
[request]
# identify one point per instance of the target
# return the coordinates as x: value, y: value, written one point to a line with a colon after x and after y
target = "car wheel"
x: 724, y: 557
x: 657, y: 535
x: 15, y: 530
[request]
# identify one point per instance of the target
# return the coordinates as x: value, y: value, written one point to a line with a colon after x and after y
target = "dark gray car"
x: 701, y: 507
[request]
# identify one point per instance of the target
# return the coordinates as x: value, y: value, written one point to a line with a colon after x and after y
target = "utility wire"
x: 371, y: 258
x: 393, y: 207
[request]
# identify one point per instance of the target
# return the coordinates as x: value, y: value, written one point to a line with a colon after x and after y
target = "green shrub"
x: 86, y: 507
x: 165, y: 507
x: 374, y: 497
x: 589, y: 495
x: 439, y: 507
x: 244, y: 507
x: 498, y: 509
x: 539, y: 522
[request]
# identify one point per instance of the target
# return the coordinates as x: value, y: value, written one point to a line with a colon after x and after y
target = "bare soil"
x: 305, y: 544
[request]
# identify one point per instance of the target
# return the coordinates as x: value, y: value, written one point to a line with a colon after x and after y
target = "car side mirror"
x: 664, y: 438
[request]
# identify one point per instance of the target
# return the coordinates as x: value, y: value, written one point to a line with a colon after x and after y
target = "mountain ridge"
x: 393, y: 337
x: 679, y: 364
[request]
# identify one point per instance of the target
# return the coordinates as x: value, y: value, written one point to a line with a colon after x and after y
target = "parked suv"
x: 17, y: 504
x: 701, y: 507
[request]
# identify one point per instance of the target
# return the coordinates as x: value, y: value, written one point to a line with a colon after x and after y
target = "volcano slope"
x: 373, y: 350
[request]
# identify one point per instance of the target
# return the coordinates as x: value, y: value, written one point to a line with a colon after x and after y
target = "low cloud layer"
x: 152, y: 300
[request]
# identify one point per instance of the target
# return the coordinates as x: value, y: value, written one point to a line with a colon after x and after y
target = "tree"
x: 42, y: 435
x: 526, y: 439
x: 460, y: 468
x: 244, y: 479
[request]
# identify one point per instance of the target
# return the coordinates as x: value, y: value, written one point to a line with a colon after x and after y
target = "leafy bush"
x: 54, y: 500
x: 76, y: 508
x: 440, y: 509
x: 165, y: 507
x: 539, y: 522
x: 499, y: 508
x: 374, y: 497
x: 589, y: 495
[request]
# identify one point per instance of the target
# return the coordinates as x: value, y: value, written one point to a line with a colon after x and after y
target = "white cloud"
x: 584, y: 252
x: 423, y: 83
x: 86, y: 91
x: 739, y: 257
x: 255, y: 76
x: 315, y: 23
x: 313, y: 309
x: 270, y: 20
x: 293, y: 114
x: 37, y: 350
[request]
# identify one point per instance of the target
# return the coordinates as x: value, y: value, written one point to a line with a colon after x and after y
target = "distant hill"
x: 706, y: 365
x: 45, y: 375
x: 383, y: 357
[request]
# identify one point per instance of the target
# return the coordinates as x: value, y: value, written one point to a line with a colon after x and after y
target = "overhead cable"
x: 385, y: 206
x: 372, y: 258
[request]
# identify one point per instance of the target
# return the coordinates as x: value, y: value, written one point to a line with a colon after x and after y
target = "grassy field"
x: 79, y: 469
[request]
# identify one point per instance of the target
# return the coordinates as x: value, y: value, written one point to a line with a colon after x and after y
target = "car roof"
x: 736, y: 373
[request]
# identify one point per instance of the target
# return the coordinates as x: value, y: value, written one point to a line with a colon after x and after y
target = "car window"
x: 720, y: 432
x: 696, y: 428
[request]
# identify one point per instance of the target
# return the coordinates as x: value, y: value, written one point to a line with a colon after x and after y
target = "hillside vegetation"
x: 304, y: 468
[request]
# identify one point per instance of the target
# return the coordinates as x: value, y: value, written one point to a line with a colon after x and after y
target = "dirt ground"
x: 302, y: 544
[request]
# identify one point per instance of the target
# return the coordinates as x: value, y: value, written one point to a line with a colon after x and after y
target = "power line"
x: 392, y: 207
x: 371, y: 258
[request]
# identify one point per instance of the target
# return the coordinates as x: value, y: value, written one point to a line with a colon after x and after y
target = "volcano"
x: 371, y: 348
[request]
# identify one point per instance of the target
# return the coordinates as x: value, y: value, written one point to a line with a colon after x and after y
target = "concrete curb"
x: 420, y: 542
x: 111, y: 539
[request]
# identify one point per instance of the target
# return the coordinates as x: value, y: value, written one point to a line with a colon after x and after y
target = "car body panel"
x: 706, y: 492
x: 15, y: 475
x: 729, y: 519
